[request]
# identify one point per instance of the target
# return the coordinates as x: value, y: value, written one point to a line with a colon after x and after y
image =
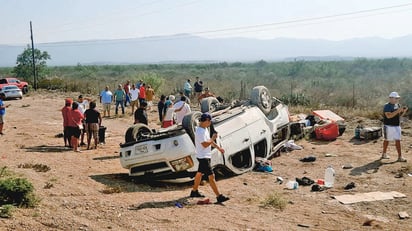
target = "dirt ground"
x: 77, y: 193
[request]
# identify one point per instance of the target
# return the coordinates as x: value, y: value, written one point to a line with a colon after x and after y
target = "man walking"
x: 203, y: 144
x: 119, y: 96
x: 134, y: 96
x: 391, y: 128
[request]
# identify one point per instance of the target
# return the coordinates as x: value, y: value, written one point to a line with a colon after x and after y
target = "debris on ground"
x: 403, y: 215
x: 367, y: 197
x: 308, y: 159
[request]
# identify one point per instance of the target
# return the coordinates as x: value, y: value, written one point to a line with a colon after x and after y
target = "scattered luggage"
x: 327, y: 132
x: 370, y: 133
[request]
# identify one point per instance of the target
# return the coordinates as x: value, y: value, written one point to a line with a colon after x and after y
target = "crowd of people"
x: 81, y: 118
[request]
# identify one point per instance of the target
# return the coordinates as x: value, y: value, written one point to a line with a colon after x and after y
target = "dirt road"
x: 91, y: 191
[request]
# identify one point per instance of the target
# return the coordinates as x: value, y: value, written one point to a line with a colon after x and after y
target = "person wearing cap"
x: 171, y: 114
x: 198, y: 87
x: 65, y: 114
x: 392, y: 111
x: 119, y: 96
x: 106, y: 98
x: 203, y: 145
x: 140, y: 115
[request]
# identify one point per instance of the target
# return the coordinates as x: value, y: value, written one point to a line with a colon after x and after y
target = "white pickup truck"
x: 255, y: 128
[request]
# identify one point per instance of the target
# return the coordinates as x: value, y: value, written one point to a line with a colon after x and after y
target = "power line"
x: 251, y: 28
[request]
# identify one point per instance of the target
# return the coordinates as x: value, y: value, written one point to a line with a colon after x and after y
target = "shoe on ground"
x: 384, y: 156
x: 222, y: 198
x: 401, y: 160
x: 82, y: 144
x: 196, y: 194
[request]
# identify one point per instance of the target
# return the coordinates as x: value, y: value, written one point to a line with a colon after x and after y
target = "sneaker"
x: 385, y: 156
x: 222, y: 198
x: 82, y: 144
x: 196, y: 194
x: 401, y: 160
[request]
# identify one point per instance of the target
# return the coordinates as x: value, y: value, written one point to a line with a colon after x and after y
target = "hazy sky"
x: 58, y: 20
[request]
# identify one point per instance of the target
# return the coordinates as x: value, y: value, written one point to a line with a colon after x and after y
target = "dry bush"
x: 111, y: 190
x: 275, y: 200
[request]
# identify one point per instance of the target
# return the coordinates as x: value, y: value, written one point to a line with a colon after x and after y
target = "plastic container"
x: 329, y: 177
x: 320, y: 182
x: 292, y: 184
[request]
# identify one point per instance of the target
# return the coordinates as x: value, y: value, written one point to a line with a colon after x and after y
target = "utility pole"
x: 32, y: 56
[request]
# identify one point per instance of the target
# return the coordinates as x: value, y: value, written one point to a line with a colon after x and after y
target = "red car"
x: 24, y: 86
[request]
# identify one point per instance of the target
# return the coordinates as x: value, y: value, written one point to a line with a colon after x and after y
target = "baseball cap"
x: 205, y: 116
x: 394, y: 95
x: 68, y: 101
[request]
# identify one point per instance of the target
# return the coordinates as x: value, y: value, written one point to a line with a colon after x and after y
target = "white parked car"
x: 12, y: 92
x: 255, y: 128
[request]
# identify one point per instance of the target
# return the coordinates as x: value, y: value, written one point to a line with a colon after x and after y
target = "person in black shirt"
x: 198, y: 88
x: 161, y: 107
x: 93, y: 123
x: 140, y: 115
x: 392, y: 111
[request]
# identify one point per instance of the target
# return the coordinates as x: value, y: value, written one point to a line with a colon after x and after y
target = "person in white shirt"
x: 83, y: 103
x: 184, y: 111
x: 188, y: 88
x: 134, y: 97
x: 169, y: 116
x: 203, y: 145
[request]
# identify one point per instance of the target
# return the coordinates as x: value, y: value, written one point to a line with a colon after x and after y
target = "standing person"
x: 75, y: 126
x: 65, y: 113
x: 134, y: 97
x: 2, y: 112
x: 169, y: 117
x: 126, y: 89
x: 203, y: 144
x: 391, y: 128
x: 161, y: 106
x: 187, y: 100
x: 149, y: 96
x: 106, y: 98
x: 119, y: 96
x: 188, y: 88
x: 142, y: 93
x: 205, y: 94
x: 139, y: 84
x: 198, y: 88
x: 184, y: 109
x: 83, y: 105
x: 140, y: 115
x: 93, y: 122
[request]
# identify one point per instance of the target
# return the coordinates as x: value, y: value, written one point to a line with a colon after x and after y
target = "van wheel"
x: 190, y: 122
x: 137, y: 132
x: 261, y: 98
x: 209, y: 104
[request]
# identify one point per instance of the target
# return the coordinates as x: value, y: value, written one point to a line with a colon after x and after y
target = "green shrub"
x: 17, y: 191
x: 6, y: 211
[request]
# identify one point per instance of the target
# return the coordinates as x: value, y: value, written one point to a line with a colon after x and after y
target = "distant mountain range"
x: 187, y: 48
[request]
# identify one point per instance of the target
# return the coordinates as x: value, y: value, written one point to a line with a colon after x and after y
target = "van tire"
x: 190, y: 122
x: 261, y: 97
x: 136, y: 132
x: 209, y: 104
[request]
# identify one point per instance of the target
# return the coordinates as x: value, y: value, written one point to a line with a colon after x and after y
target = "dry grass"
x: 111, y: 190
x: 36, y: 167
x: 275, y: 200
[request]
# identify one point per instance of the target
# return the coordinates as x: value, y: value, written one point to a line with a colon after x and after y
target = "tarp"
x: 370, y: 196
x: 327, y: 115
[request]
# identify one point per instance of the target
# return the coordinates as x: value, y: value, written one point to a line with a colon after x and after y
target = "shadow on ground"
x: 368, y: 168
x: 106, y: 157
x: 181, y: 202
x: 44, y: 148
x: 356, y: 141
x: 126, y: 183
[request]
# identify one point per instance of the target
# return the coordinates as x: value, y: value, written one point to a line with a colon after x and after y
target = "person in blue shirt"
x: 2, y: 112
x: 392, y: 111
x: 106, y: 98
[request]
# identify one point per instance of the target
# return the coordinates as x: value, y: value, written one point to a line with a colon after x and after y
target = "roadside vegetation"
x: 360, y: 84
x: 15, y: 192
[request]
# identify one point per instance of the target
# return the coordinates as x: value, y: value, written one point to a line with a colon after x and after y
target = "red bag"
x: 328, y: 132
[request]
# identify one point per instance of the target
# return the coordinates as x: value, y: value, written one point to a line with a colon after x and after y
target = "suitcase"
x: 102, y: 134
x: 327, y: 132
x: 296, y: 130
x: 370, y: 133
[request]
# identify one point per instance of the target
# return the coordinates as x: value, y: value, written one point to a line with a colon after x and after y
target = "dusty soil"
x: 76, y: 197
